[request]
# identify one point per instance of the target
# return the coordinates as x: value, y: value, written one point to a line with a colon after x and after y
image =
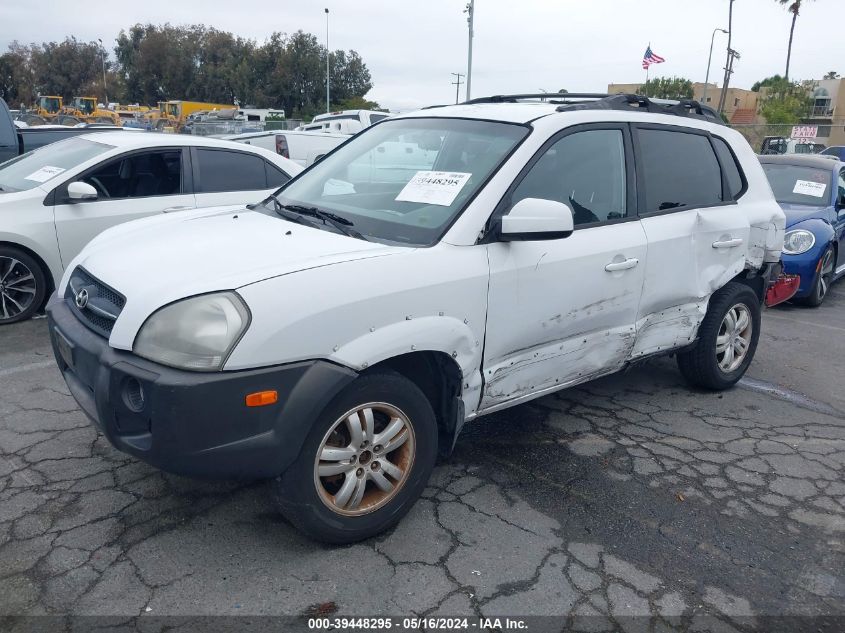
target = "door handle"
x: 732, y: 243
x: 171, y: 209
x: 624, y: 265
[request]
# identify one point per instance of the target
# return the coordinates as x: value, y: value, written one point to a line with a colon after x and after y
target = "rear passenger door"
x: 223, y: 176
x: 688, y: 183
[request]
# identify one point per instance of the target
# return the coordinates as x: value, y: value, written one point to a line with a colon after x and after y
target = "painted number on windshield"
x: 434, y: 187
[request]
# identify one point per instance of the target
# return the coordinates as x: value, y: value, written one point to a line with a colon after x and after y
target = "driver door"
x: 129, y: 187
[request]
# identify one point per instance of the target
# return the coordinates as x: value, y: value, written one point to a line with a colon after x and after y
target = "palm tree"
x: 794, y: 8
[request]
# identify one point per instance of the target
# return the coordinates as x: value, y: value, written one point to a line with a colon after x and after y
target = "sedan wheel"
x: 825, y: 275
x: 18, y: 288
x: 364, y: 459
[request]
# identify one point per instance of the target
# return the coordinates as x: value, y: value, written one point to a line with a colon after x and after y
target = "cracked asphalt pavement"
x: 631, y: 496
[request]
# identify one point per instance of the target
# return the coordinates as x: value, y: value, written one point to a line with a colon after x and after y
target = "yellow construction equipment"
x: 176, y: 113
x: 47, y: 107
x: 87, y: 110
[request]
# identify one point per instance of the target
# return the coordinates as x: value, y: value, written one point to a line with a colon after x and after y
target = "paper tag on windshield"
x: 434, y: 187
x: 810, y: 188
x: 45, y: 173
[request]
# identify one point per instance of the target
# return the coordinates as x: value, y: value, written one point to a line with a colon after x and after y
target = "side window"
x: 841, y: 185
x: 221, y: 170
x: 275, y: 176
x: 679, y: 170
x: 731, y: 167
x: 585, y: 170
x: 139, y: 175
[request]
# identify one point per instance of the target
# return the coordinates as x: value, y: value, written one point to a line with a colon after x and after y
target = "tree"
x: 667, y: 88
x: 196, y: 63
x: 794, y: 8
x: 832, y: 75
x: 774, y: 80
x: 783, y: 101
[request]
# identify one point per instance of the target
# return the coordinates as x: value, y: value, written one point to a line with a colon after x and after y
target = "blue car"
x: 836, y: 150
x: 811, y: 191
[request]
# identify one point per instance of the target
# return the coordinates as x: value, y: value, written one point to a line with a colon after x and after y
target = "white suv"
x: 339, y: 334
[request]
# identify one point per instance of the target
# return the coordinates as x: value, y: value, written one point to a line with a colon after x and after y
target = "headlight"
x: 196, y: 333
x: 797, y: 242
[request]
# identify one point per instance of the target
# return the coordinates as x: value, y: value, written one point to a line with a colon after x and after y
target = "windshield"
x: 794, y: 184
x: 38, y: 166
x: 405, y: 180
x: 50, y: 104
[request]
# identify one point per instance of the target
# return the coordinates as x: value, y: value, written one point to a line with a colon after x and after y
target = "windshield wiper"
x: 338, y: 222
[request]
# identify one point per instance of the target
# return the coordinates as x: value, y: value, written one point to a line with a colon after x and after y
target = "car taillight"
x: 282, y: 146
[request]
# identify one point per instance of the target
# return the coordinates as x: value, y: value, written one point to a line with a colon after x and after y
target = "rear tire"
x: 23, y: 285
x: 824, y: 278
x: 727, y: 339
x: 365, y: 461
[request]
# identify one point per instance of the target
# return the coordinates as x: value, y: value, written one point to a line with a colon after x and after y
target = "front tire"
x: 727, y: 339
x: 22, y: 285
x: 824, y: 278
x: 364, y: 463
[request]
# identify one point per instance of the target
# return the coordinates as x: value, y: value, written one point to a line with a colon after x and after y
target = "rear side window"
x: 275, y: 176
x: 680, y: 170
x: 736, y: 183
x: 222, y: 170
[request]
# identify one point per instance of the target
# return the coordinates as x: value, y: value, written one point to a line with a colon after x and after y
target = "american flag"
x: 650, y: 58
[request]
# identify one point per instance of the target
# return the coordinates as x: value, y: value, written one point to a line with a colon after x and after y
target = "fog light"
x: 133, y: 395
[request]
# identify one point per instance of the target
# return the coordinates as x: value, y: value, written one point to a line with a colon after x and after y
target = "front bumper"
x: 806, y: 266
x: 191, y: 423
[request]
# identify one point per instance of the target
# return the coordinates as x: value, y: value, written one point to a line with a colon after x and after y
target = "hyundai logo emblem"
x: 82, y: 299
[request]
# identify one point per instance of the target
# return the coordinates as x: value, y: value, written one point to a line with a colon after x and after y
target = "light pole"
x: 470, y: 11
x: 328, y: 54
x: 103, y: 56
x: 709, y: 59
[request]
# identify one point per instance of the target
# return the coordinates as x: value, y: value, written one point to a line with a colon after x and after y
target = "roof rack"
x: 548, y: 97
x: 569, y: 101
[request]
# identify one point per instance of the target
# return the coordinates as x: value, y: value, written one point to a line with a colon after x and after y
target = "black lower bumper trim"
x: 191, y: 423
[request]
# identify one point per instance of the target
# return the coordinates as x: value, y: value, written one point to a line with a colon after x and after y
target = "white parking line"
x: 29, y: 367
x: 807, y: 323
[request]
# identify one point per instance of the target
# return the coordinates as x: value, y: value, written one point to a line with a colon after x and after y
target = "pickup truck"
x: 344, y: 121
x: 15, y: 141
x: 303, y: 148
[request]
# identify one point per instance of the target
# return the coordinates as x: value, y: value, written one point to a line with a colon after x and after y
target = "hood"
x: 166, y: 258
x: 796, y: 213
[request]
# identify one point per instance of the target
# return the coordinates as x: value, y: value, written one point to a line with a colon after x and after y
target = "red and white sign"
x: 805, y: 131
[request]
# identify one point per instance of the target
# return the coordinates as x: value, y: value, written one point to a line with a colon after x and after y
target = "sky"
x: 412, y: 46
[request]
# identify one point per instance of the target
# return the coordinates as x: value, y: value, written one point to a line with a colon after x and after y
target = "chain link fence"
x: 756, y: 133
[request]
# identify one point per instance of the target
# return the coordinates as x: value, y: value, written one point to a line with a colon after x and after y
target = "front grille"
x: 93, y: 302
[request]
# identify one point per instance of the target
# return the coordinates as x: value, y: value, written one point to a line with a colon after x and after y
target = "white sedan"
x: 54, y: 200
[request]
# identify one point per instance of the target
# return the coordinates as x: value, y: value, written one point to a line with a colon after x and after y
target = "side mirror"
x: 81, y: 191
x: 536, y: 219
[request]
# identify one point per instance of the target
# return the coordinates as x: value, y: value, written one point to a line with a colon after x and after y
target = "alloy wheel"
x: 17, y: 287
x: 364, y: 459
x: 825, y: 274
x: 734, y: 338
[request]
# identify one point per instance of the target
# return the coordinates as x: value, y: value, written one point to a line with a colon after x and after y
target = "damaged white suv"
x: 337, y: 336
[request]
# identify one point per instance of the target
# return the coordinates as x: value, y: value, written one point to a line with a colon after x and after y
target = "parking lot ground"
x: 633, y: 495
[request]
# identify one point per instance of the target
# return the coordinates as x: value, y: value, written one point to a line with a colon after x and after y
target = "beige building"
x: 740, y: 105
x: 828, y: 111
